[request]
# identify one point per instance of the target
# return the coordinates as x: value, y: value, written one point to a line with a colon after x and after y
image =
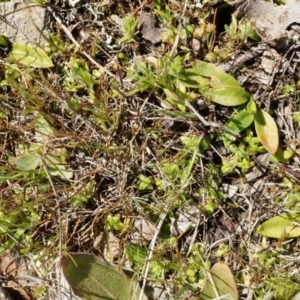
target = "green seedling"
x: 56, y: 46
x: 78, y: 77
x: 84, y: 195
x: 282, y: 156
x: 292, y: 194
x: 168, y: 36
x: 284, y: 287
x: 217, y: 55
x: 158, y: 4
x: 195, y: 268
x: 239, y: 33
x: 145, y: 183
x: 179, y: 168
x: 209, y: 188
x: 162, y: 74
x: 289, y: 89
x: 165, y: 15
x: 240, y: 159
x: 287, y: 183
x: 113, y: 222
x: 296, y: 117
x: 129, y: 28
x: 69, y: 142
x: 138, y: 257
x: 223, y: 250
x: 253, y: 143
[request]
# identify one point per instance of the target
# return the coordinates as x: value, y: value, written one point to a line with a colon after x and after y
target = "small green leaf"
x: 137, y: 255
x: 190, y: 142
x: 4, y: 41
x: 237, y: 123
x: 30, y: 55
x: 240, y: 121
x: 281, y: 227
x: 216, y: 85
x: 251, y: 106
x: 93, y: 278
x: 220, y: 283
x: 28, y: 162
x: 266, y: 130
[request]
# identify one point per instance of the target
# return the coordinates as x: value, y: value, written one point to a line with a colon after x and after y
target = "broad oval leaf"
x: 266, y: 130
x: 281, y: 227
x: 220, y: 283
x: 218, y: 86
x: 28, y: 162
x: 92, y: 278
x: 30, y: 55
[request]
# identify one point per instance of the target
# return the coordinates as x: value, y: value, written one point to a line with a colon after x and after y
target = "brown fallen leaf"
x: 144, y: 232
x: 147, y: 27
x: 13, y: 265
x: 108, y: 245
x: 185, y: 220
x: 270, y: 61
x: 272, y: 21
x: 220, y: 283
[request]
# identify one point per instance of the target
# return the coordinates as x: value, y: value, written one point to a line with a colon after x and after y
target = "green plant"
x: 281, y: 227
x: 93, y: 278
x: 214, y: 84
x: 129, y: 27
x: 30, y: 55
x: 99, y: 135
x: 240, y: 32
x: 137, y: 257
x: 240, y: 159
x: 113, y: 222
x: 78, y: 76
x: 145, y: 183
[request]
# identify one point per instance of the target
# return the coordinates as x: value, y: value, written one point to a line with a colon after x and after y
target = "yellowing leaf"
x: 281, y: 227
x: 30, y: 55
x: 266, y: 130
x: 220, y: 283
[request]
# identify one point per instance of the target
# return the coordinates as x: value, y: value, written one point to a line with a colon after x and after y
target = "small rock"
x: 22, y: 22
x: 148, y: 28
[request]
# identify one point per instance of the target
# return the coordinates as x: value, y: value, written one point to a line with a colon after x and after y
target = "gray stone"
x: 22, y: 22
